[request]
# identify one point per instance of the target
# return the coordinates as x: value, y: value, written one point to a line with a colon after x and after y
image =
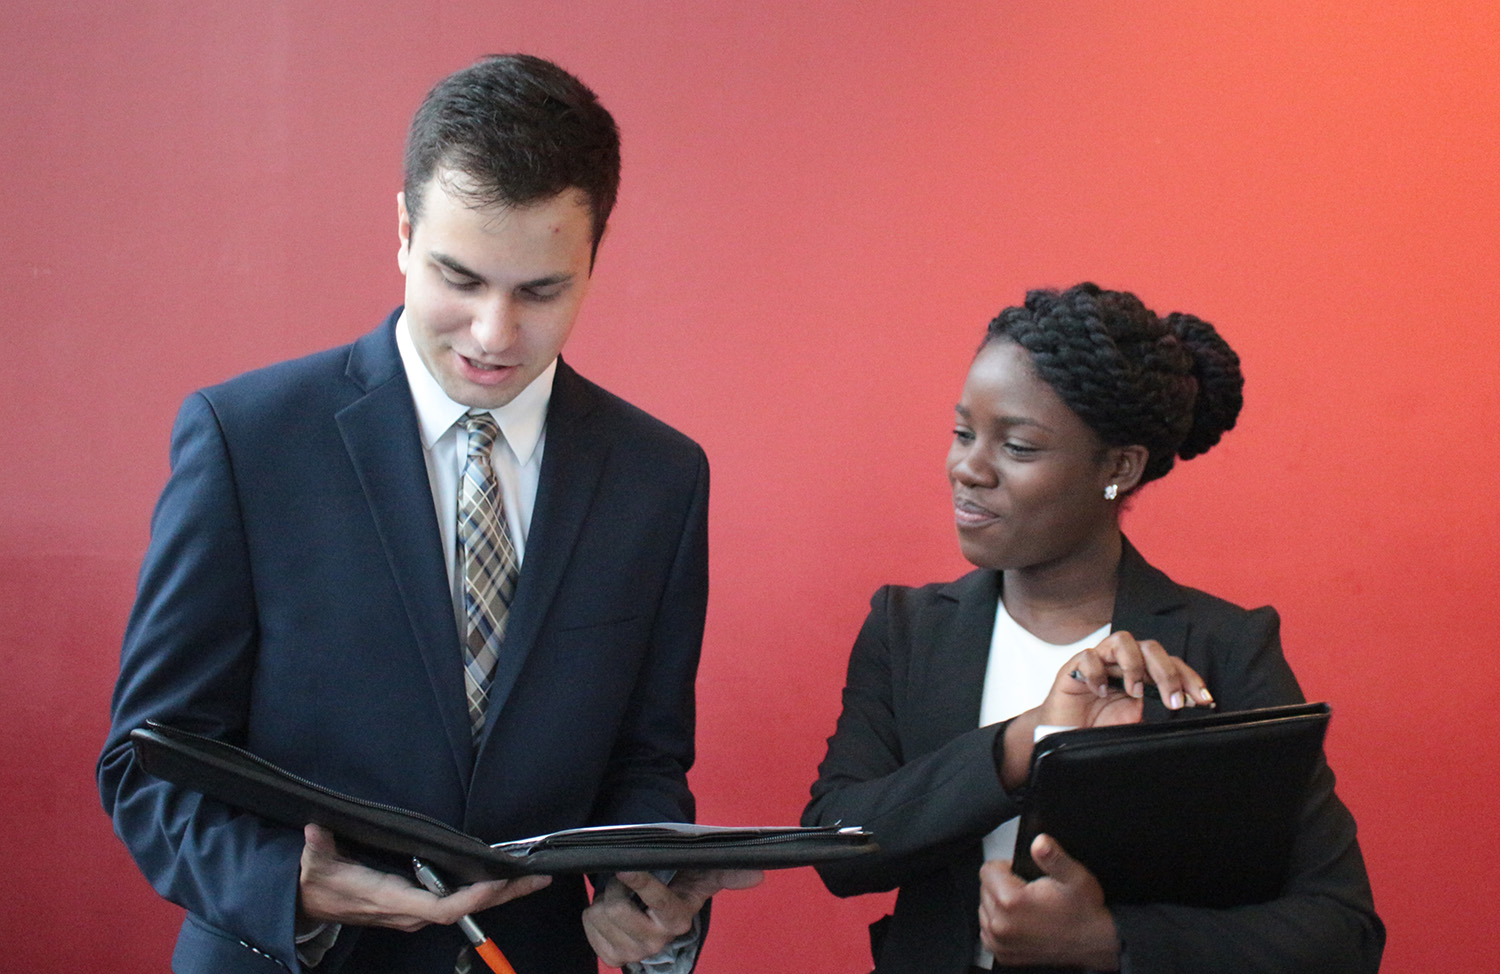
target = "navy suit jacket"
x: 294, y: 600
x: 909, y: 761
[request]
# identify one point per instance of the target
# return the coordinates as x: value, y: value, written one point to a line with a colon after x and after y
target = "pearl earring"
x: 1111, y: 492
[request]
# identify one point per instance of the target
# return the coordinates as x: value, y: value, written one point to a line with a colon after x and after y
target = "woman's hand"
x: 1099, y: 687
x: 1059, y: 919
x: 1083, y: 694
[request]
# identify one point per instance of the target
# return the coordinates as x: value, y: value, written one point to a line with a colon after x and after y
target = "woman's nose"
x: 966, y: 467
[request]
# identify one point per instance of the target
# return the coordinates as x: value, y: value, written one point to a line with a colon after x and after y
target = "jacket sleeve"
x: 925, y: 810
x: 1325, y: 920
x: 186, y: 660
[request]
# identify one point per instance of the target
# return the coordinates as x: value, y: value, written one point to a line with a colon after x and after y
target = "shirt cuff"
x: 313, y: 944
x: 678, y: 957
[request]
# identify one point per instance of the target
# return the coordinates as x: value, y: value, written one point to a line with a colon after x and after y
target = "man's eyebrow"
x: 455, y: 265
x: 551, y: 280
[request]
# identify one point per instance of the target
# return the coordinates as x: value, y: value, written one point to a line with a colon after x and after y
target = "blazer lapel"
x: 381, y: 434
x: 1146, y: 604
x: 572, y: 462
x: 961, y: 625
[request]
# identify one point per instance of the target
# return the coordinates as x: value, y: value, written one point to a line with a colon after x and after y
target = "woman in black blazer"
x: 1073, y: 402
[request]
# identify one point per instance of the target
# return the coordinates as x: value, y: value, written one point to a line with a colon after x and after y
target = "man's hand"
x: 1059, y: 919
x: 333, y: 889
x: 624, y: 929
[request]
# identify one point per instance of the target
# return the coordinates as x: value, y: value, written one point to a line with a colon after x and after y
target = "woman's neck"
x: 1062, y: 602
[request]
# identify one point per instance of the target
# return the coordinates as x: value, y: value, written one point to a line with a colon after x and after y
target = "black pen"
x: 1149, y: 690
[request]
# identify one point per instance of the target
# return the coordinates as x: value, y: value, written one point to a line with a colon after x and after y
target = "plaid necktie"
x: 489, y: 564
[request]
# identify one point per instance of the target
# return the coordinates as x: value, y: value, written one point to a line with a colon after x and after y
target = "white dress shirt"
x: 516, y: 458
x: 1020, y: 672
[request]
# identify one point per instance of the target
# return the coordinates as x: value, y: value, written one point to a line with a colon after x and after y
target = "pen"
x: 483, y: 946
x: 1148, y: 690
x: 1117, y: 683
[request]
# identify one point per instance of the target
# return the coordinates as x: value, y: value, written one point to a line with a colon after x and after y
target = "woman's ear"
x: 1127, y: 466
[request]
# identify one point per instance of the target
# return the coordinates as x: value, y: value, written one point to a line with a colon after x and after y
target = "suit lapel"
x: 380, y: 432
x: 1146, y: 604
x: 962, y: 624
x: 572, y: 463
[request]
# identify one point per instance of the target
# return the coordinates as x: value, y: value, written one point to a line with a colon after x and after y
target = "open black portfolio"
x: 1200, y: 811
x: 392, y: 836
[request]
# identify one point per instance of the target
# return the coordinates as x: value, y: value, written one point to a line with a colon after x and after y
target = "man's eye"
x: 460, y: 283
x: 541, y: 294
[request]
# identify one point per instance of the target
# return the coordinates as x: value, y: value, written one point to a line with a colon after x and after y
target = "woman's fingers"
x: 1126, y: 659
x: 1121, y: 664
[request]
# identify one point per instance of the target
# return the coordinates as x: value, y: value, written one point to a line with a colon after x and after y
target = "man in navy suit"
x: 300, y: 596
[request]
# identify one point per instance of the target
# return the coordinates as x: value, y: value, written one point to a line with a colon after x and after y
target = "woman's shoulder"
x: 1144, y: 586
x: 980, y: 585
x: 1207, y: 603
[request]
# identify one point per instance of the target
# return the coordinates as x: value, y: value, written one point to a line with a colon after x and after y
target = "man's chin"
x: 478, y: 395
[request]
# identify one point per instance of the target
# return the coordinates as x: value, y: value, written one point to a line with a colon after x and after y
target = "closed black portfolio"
x: 1199, y: 811
x: 391, y: 836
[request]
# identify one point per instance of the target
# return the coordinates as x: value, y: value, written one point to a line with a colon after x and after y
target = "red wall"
x: 823, y: 204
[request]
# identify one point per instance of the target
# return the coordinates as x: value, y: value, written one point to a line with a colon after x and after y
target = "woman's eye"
x: 962, y: 435
x: 1019, y: 449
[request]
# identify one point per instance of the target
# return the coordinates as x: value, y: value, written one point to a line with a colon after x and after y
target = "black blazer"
x: 908, y: 761
x: 294, y: 600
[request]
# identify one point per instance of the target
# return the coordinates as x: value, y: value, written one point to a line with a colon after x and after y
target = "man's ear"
x: 1129, y: 465
x: 403, y: 230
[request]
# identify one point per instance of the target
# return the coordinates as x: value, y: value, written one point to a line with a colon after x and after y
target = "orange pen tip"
x: 494, y: 958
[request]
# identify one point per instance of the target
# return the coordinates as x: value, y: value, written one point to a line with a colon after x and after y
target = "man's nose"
x: 494, y: 325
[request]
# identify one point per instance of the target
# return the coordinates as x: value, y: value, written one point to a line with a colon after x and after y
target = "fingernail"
x: 1138, y: 689
x: 1176, y: 700
x: 1207, y: 697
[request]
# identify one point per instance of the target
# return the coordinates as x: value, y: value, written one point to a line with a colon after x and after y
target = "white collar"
x: 521, y: 420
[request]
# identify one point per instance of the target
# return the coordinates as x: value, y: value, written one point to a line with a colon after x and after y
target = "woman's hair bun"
x: 1221, y: 385
x: 1172, y: 384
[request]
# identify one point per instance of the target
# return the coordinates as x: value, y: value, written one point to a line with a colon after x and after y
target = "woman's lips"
x: 967, y: 514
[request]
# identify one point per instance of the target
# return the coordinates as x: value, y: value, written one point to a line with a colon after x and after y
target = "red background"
x: 823, y: 203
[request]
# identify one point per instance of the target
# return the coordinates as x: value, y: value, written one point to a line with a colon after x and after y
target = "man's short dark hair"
x: 520, y: 130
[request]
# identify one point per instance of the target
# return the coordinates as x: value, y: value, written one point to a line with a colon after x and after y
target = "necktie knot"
x: 483, y: 432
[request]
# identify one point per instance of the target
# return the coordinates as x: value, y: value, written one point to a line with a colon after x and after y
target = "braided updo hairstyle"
x: 1169, y: 384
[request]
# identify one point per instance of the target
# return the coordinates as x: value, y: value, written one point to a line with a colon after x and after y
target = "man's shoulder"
x: 580, y: 399
x: 279, y: 377
x: 331, y: 374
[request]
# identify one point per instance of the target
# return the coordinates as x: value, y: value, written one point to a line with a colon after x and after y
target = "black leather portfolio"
x: 1200, y: 811
x: 391, y: 836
